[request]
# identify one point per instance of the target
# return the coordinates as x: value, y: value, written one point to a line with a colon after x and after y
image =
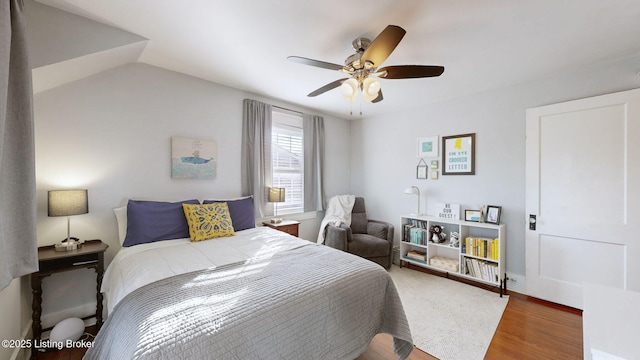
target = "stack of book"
x: 481, y: 269
x: 481, y: 247
x: 416, y: 232
x: 417, y: 256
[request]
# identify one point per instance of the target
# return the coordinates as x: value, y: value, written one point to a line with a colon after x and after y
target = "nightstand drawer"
x: 288, y: 226
x: 69, y: 262
x: 290, y: 229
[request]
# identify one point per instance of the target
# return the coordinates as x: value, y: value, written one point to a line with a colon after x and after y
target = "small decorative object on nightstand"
x: 89, y: 256
x: 288, y: 226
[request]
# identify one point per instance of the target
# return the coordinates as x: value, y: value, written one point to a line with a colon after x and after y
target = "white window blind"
x: 287, y: 155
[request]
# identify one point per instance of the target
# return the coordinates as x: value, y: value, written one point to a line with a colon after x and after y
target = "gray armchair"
x: 370, y: 239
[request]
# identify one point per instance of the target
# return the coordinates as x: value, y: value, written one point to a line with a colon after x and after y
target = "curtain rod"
x: 285, y: 109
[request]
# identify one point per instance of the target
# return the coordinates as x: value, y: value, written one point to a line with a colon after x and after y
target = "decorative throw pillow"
x: 208, y: 221
x: 149, y: 221
x: 241, y: 210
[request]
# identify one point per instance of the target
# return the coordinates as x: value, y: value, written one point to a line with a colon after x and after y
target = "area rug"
x: 448, y: 319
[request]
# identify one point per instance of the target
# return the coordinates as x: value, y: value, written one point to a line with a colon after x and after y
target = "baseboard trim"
x: 23, y: 353
x: 496, y: 289
x: 49, y: 320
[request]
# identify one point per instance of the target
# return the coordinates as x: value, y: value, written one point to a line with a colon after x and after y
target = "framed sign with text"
x: 447, y: 211
x: 458, y: 154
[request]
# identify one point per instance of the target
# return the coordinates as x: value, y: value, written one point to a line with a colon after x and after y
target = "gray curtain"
x: 18, y: 243
x: 256, y: 174
x: 313, y: 132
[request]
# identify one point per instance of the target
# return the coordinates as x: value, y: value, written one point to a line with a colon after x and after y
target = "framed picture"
x: 458, y: 154
x: 493, y: 214
x: 472, y: 215
x: 421, y: 170
x: 427, y: 146
x: 193, y: 158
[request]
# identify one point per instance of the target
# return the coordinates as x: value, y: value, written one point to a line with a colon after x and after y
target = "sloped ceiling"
x: 482, y: 44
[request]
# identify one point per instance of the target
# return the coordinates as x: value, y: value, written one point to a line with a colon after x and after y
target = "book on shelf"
x: 417, y: 255
x: 419, y: 223
x: 481, y: 269
x: 415, y: 235
x: 482, y: 247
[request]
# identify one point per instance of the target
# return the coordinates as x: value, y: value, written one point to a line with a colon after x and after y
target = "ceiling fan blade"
x: 316, y: 63
x: 329, y: 86
x: 378, y: 98
x: 411, y: 71
x: 383, y: 45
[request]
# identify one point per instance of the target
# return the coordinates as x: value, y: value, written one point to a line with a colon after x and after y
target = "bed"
x: 259, y: 294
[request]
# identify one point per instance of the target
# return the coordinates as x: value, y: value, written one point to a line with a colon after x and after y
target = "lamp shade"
x: 413, y: 190
x: 370, y: 88
x: 68, y: 202
x: 276, y: 194
x: 350, y: 89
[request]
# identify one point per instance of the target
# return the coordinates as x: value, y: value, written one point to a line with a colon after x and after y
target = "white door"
x: 583, y: 187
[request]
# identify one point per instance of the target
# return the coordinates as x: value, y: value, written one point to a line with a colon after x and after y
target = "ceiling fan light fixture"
x: 350, y: 89
x: 370, y: 88
x: 362, y: 67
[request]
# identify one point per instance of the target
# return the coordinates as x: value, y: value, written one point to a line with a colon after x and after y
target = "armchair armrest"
x: 381, y: 229
x: 337, y: 237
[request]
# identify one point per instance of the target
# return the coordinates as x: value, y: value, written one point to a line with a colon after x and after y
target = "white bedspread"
x: 131, y: 268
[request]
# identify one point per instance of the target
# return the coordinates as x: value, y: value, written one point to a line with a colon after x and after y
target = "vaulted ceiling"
x: 482, y: 44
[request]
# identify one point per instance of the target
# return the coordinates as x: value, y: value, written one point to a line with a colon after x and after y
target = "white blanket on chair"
x: 338, y: 212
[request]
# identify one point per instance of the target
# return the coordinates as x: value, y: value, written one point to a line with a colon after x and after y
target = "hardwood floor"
x: 529, y: 329
x: 535, y: 329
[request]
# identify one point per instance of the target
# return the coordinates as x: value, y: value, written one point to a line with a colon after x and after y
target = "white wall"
x: 498, y: 119
x: 110, y: 133
x: 15, y: 315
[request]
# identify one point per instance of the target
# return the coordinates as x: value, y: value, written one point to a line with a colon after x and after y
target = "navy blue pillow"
x: 149, y: 221
x: 241, y: 211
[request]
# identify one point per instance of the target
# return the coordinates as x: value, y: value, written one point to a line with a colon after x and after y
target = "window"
x: 287, y: 156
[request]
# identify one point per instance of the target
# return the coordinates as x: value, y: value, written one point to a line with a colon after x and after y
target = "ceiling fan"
x: 363, y: 67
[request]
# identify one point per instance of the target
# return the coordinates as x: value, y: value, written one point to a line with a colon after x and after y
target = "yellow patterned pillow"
x: 208, y: 221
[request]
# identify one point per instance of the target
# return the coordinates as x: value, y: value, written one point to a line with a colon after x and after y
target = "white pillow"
x: 121, y: 219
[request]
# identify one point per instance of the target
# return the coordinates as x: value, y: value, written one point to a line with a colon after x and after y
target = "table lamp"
x: 413, y: 190
x: 68, y: 203
x: 276, y: 195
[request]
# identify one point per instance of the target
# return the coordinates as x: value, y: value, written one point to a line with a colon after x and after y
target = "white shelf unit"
x: 489, y: 269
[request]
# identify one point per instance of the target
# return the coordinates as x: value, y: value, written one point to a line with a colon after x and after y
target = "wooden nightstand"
x: 89, y: 256
x: 288, y: 226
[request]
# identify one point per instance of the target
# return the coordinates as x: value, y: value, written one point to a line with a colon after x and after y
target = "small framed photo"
x: 472, y: 215
x: 493, y: 214
x: 428, y: 146
x: 421, y: 170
